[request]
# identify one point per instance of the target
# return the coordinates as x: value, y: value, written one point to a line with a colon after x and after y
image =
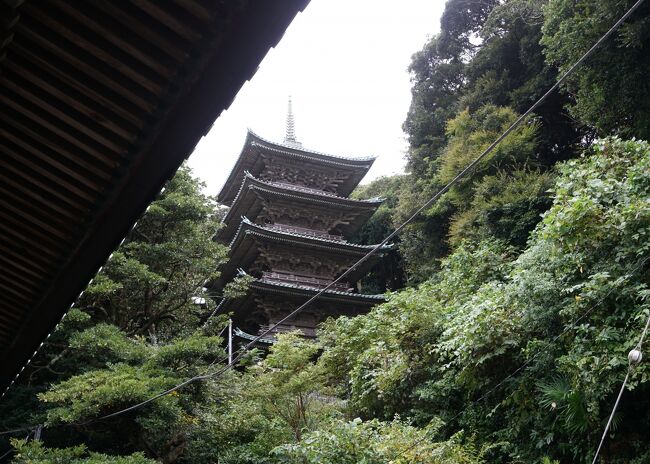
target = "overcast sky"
x: 344, y: 63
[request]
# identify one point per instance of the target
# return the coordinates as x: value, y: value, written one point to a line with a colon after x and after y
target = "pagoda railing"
x: 309, y: 281
x: 301, y: 188
x: 305, y: 231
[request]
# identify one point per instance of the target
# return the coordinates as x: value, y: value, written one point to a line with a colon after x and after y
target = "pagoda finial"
x: 290, y: 135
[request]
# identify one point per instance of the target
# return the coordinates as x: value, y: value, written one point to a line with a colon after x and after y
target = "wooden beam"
x: 142, y: 26
x: 32, y: 115
x: 46, y: 142
x: 82, y: 39
x: 32, y: 178
x: 68, y: 114
x: 177, y: 20
x: 47, y: 64
x: 121, y: 36
x: 85, y: 63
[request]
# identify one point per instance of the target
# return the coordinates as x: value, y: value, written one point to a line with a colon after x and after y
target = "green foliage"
x: 470, y: 134
x: 388, y: 273
x: 487, y: 58
x: 370, y: 358
x: 557, y: 394
x: 277, y: 401
x: 506, y: 206
x: 610, y: 91
x: 133, y: 334
x: 149, y: 285
x: 237, y: 287
x: 570, y: 306
x: 35, y: 453
x: 376, y: 442
x: 458, y: 214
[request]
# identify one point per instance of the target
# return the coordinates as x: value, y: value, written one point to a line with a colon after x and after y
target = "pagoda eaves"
x: 273, y: 301
x: 264, y: 159
x: 254, y: 245
x: 294, y: 242
x: 267, y: 201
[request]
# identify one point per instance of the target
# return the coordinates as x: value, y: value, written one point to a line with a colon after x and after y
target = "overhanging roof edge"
x: 235, y: 61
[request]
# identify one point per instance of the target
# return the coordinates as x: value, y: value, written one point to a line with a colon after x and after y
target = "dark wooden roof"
x: 244, y: 250
x: 251, y: 161
x: 100, y: 102
x: 330, y: 303
x: 253, y: 192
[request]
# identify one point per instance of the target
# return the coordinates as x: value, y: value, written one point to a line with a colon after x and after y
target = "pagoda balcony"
x: 308, y: 232
x: 301, y: 188
x: 305, y: 281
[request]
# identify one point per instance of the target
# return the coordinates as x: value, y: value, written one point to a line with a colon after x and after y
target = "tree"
x: 567, y: 308
x: 487, y: 55
x: 388, y: 273
x: 35, y: 453
x: 277, y: 400
x: 610, y: 91
x: 140, y: 328
x: 152, y: 282
x: 453, y: 216
x: 376, y: 442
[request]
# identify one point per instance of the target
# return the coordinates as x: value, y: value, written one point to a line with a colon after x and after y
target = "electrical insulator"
x: 635, y: 356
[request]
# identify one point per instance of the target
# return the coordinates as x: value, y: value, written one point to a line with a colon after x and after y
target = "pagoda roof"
x: 328, y: 295
x: 249, y: 202
x: 243, y: 249
x: 246, y: 336
x: 299, y: 294
x: 250, y: 160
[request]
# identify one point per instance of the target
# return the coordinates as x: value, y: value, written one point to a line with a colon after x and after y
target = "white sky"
x: 344, y: 63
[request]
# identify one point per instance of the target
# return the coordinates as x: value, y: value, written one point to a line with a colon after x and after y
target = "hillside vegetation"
x: 512, y: 303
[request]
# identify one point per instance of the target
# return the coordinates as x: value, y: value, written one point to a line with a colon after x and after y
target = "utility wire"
x: 571, y: 326
x: 11, y: 450
x: 632, y: 362
x: 377, y: 247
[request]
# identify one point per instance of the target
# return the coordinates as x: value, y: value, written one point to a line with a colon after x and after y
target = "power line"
x: 572, y: 325
x: 553, y: 340
x: 633, y: 358
x: 376, y: 248
x: 451, y: 183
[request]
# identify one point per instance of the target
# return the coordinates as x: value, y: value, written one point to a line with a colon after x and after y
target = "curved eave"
x: 361, y: 161
x: 328, y: 295
x: 243, y: 250
x: 308, y: 240
x: 242, y: 306
x: 255, y: 145
x: 248, y: 203
x: 246, y: 336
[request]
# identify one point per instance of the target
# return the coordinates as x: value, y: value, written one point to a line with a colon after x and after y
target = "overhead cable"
x: 376, y: 248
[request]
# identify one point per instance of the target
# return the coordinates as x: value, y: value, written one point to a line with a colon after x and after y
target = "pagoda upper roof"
x: 249, y: 202
x: 244, y: 250
x: 250, y: 160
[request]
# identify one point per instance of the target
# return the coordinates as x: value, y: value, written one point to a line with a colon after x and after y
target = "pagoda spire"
x: 290, y: 135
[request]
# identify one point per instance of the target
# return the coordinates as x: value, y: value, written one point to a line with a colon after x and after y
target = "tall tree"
x: 486, y: 54
x: 141, y: 327
x: 610, y: 92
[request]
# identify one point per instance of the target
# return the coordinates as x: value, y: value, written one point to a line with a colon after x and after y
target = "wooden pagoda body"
x: 288, y: 226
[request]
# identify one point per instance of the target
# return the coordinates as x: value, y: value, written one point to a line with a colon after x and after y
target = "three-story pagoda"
x: 288, y: 226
